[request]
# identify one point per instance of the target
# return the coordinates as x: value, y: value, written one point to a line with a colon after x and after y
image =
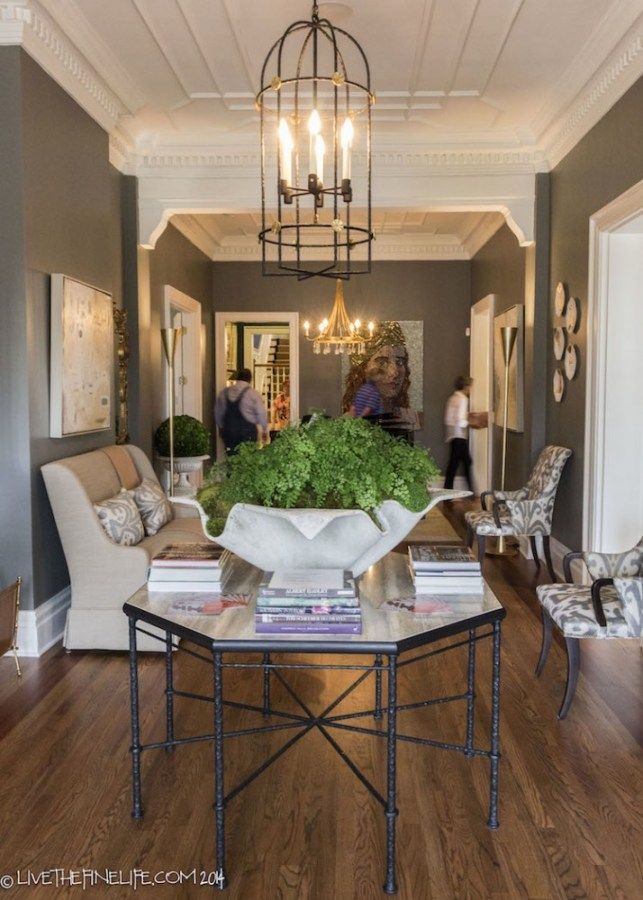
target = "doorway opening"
x: 613, y: 495
x: 184, y: 312
x: 268, y: 345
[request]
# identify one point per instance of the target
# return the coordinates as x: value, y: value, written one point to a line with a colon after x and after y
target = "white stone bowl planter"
x: 316, y: 538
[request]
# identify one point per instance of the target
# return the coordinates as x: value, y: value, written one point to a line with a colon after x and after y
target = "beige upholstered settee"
x: 103, y: 574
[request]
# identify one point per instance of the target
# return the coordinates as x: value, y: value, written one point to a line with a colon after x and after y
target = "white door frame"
x: 176, y: 299
x: 601, y: 225
x: 486, y: 307
x: 291, y: 318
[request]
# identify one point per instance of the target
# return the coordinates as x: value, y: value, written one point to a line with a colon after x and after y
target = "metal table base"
x: 324, y: 722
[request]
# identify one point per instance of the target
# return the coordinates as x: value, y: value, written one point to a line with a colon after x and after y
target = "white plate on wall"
x: 560, y: 299
x: 571, y: 315
x: 559, y: 343
x: 571, y: 361
x: 559, y: 385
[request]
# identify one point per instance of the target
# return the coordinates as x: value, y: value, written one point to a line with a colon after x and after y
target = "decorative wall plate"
x: 560, y: 299
x: 571, y: 315
x: 559, y: 385
x: 571, y: 361
x: 559, y: 343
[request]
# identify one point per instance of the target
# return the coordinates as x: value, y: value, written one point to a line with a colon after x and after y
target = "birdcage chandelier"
x: 315, y: 121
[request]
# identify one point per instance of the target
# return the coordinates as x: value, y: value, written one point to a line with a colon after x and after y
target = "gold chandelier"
x: 338, y: 331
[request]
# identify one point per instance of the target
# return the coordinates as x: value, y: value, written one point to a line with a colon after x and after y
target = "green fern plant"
x: 340, y: 463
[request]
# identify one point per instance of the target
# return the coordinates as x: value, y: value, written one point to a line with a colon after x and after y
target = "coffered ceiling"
x: 473, y: 98
x: 457, y: 73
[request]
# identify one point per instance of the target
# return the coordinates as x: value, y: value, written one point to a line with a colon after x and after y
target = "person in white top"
x: 457, y: 421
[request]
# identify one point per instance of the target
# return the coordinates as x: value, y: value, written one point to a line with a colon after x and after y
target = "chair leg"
x: 573, y: 668
x: 469, y: 537
x: 534, y: 550
x: 546, y: 644
x: 547, y: 551
x: 481, y: 548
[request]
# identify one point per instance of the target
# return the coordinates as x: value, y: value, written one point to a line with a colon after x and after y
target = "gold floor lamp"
x: 508, y: 337
x: 170, y: 338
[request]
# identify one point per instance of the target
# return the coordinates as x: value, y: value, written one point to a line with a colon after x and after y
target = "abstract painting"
x: 514, y: 316
x: 81, y: 360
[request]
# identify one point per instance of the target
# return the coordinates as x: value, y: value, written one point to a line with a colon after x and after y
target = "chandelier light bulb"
x: 371, y: 328
x: 358, y: 324
x: 347, y: 142
x: 306, y: 327
x: 314, y: 123
x: 320, y: 149
x: 286, y: 145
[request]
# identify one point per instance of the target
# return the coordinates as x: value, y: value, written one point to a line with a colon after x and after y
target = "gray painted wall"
x: 607, y: 162
x: 499, y: 268
x: 72, y: 225
x: 176, y: 262
x: 437, y: 292
x: 15, y: 508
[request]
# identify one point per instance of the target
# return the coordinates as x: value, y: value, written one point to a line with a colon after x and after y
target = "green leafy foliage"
x: 340, y: 463
x: 191, y: 437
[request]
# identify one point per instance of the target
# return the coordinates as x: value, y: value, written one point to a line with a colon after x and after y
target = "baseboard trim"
x: 40, y: 628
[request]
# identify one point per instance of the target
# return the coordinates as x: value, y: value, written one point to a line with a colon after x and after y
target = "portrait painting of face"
x: 393, y: 361
x: 387, y: 368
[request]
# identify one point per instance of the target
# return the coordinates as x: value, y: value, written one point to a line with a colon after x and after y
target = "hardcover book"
x: 307, y: 583
x: 299, y: 602
x: 211, y: 574
x: 429, y: 557
x: 206, y: 555
x: 304, y: 628
x: 308, y: 619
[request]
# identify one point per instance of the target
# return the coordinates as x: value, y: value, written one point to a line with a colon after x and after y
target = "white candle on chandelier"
x: 306, y: 327
x: 286, y: 147
x: 347, y: 143
x: 320, y: 149
x: 358, y: 324
x: 371, y: 328
x: 314, y: 128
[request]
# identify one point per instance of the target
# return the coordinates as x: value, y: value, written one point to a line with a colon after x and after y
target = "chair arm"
x: 596, y: 599
x: 495, y: 509
x: 483, y: 499
x: 567, y: 564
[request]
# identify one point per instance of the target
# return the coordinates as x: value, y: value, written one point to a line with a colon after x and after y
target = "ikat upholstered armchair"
x: 611, y: 607
x: 528, y: 511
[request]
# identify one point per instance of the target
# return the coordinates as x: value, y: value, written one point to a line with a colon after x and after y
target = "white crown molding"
x: 623, y: 68
x: 618, y: 21
x: 69, y: 17
x: 384, y: 247
x: 193, y: 230
x: 406, y: 158
x: 26, y: 24
x: 482, y: 233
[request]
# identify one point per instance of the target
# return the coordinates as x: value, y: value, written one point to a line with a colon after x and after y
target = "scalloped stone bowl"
x: 316, y: 538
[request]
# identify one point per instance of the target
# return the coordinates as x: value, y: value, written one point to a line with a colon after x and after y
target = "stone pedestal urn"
x: 316, y: 538
x: 184, y: 466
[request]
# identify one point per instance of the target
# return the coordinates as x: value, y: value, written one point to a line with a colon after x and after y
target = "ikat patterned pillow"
x: 153, y: 505
x: 121, y: 519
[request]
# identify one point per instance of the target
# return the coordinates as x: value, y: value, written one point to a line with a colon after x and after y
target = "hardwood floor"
x: 570, y: 792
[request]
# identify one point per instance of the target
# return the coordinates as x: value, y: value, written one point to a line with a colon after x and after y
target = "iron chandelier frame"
x: 309, y: 230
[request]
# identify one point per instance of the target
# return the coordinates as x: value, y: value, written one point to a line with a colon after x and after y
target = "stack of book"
x: 189, y: 568
x: 444, y: 570
x: 308, y: 601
